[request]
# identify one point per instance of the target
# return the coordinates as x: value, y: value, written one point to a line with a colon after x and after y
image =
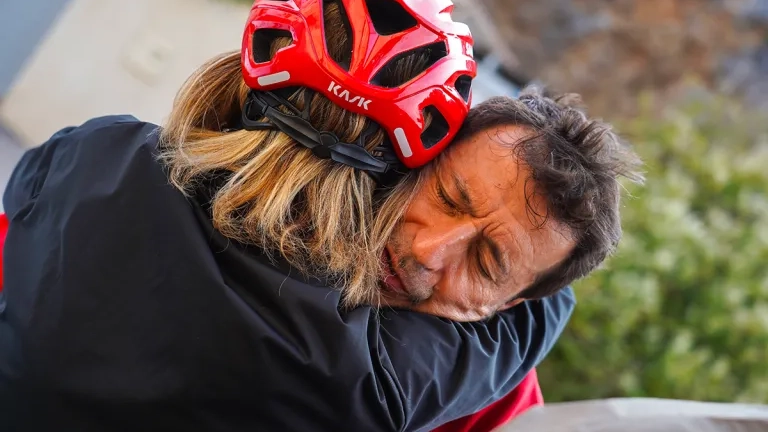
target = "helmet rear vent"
x: 416, y: 62
x: 338, y: 33
x: 464, y: 86
x: 263, y: 39
x: 438, y: 127
x: 389, y: 17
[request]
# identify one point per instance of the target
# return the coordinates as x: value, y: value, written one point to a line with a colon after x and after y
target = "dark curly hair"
x: 575, y: 163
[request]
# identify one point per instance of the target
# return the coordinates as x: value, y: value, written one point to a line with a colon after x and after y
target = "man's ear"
x: 512, y: 303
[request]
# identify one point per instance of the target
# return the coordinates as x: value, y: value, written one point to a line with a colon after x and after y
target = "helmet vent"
x: 436, y: 130
x: 416, y: 61
x: 338, y: 45
x: 389, y: 17
x: 464, y: 86
x: 263, y: 40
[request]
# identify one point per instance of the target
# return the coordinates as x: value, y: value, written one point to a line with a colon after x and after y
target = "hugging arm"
x: 445, y: 370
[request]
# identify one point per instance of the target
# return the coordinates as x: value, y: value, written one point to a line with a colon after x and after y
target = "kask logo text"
x: 342, y: 93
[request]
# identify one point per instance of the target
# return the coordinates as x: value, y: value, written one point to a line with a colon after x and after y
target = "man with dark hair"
x: 525, y: 202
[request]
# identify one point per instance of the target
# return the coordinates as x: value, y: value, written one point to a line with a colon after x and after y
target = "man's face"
x: 469, y: 243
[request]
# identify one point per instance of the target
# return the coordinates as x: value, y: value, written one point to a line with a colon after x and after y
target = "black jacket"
x: 124, y: 310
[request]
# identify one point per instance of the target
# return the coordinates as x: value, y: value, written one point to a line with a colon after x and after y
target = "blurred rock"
x: 613, y: 50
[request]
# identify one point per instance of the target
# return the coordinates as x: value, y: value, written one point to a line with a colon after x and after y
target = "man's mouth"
x: 392, y: 281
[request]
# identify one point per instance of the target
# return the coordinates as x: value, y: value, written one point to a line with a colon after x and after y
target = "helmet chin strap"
x: 324, y: 145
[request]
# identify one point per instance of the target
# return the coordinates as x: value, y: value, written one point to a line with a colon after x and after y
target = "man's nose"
x: 437, y: 247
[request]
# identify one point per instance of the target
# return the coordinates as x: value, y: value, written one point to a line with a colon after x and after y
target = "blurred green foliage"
x: 682, y: 310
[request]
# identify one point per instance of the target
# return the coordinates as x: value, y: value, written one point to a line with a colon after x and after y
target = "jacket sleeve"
x: 397, y: 370
x: 447, y: 370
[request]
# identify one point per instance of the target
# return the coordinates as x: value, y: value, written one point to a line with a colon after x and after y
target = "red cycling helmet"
x: 381, y: 31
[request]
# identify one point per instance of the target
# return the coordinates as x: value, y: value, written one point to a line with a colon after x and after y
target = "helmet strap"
x: 324, y: 145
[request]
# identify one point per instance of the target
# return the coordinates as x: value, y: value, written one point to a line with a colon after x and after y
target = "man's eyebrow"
x: 466, y: 203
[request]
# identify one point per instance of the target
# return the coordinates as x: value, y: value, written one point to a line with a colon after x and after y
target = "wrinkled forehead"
x: 492, y: 152
x: 490, y: 167
x: 503, y: 135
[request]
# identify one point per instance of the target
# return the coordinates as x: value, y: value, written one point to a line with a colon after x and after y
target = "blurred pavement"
x: 642, y: 415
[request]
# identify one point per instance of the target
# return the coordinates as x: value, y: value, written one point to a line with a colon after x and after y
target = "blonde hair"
x: 322, y: 217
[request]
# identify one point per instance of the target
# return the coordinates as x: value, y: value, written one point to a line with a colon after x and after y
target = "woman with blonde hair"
x: 222, y: 272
